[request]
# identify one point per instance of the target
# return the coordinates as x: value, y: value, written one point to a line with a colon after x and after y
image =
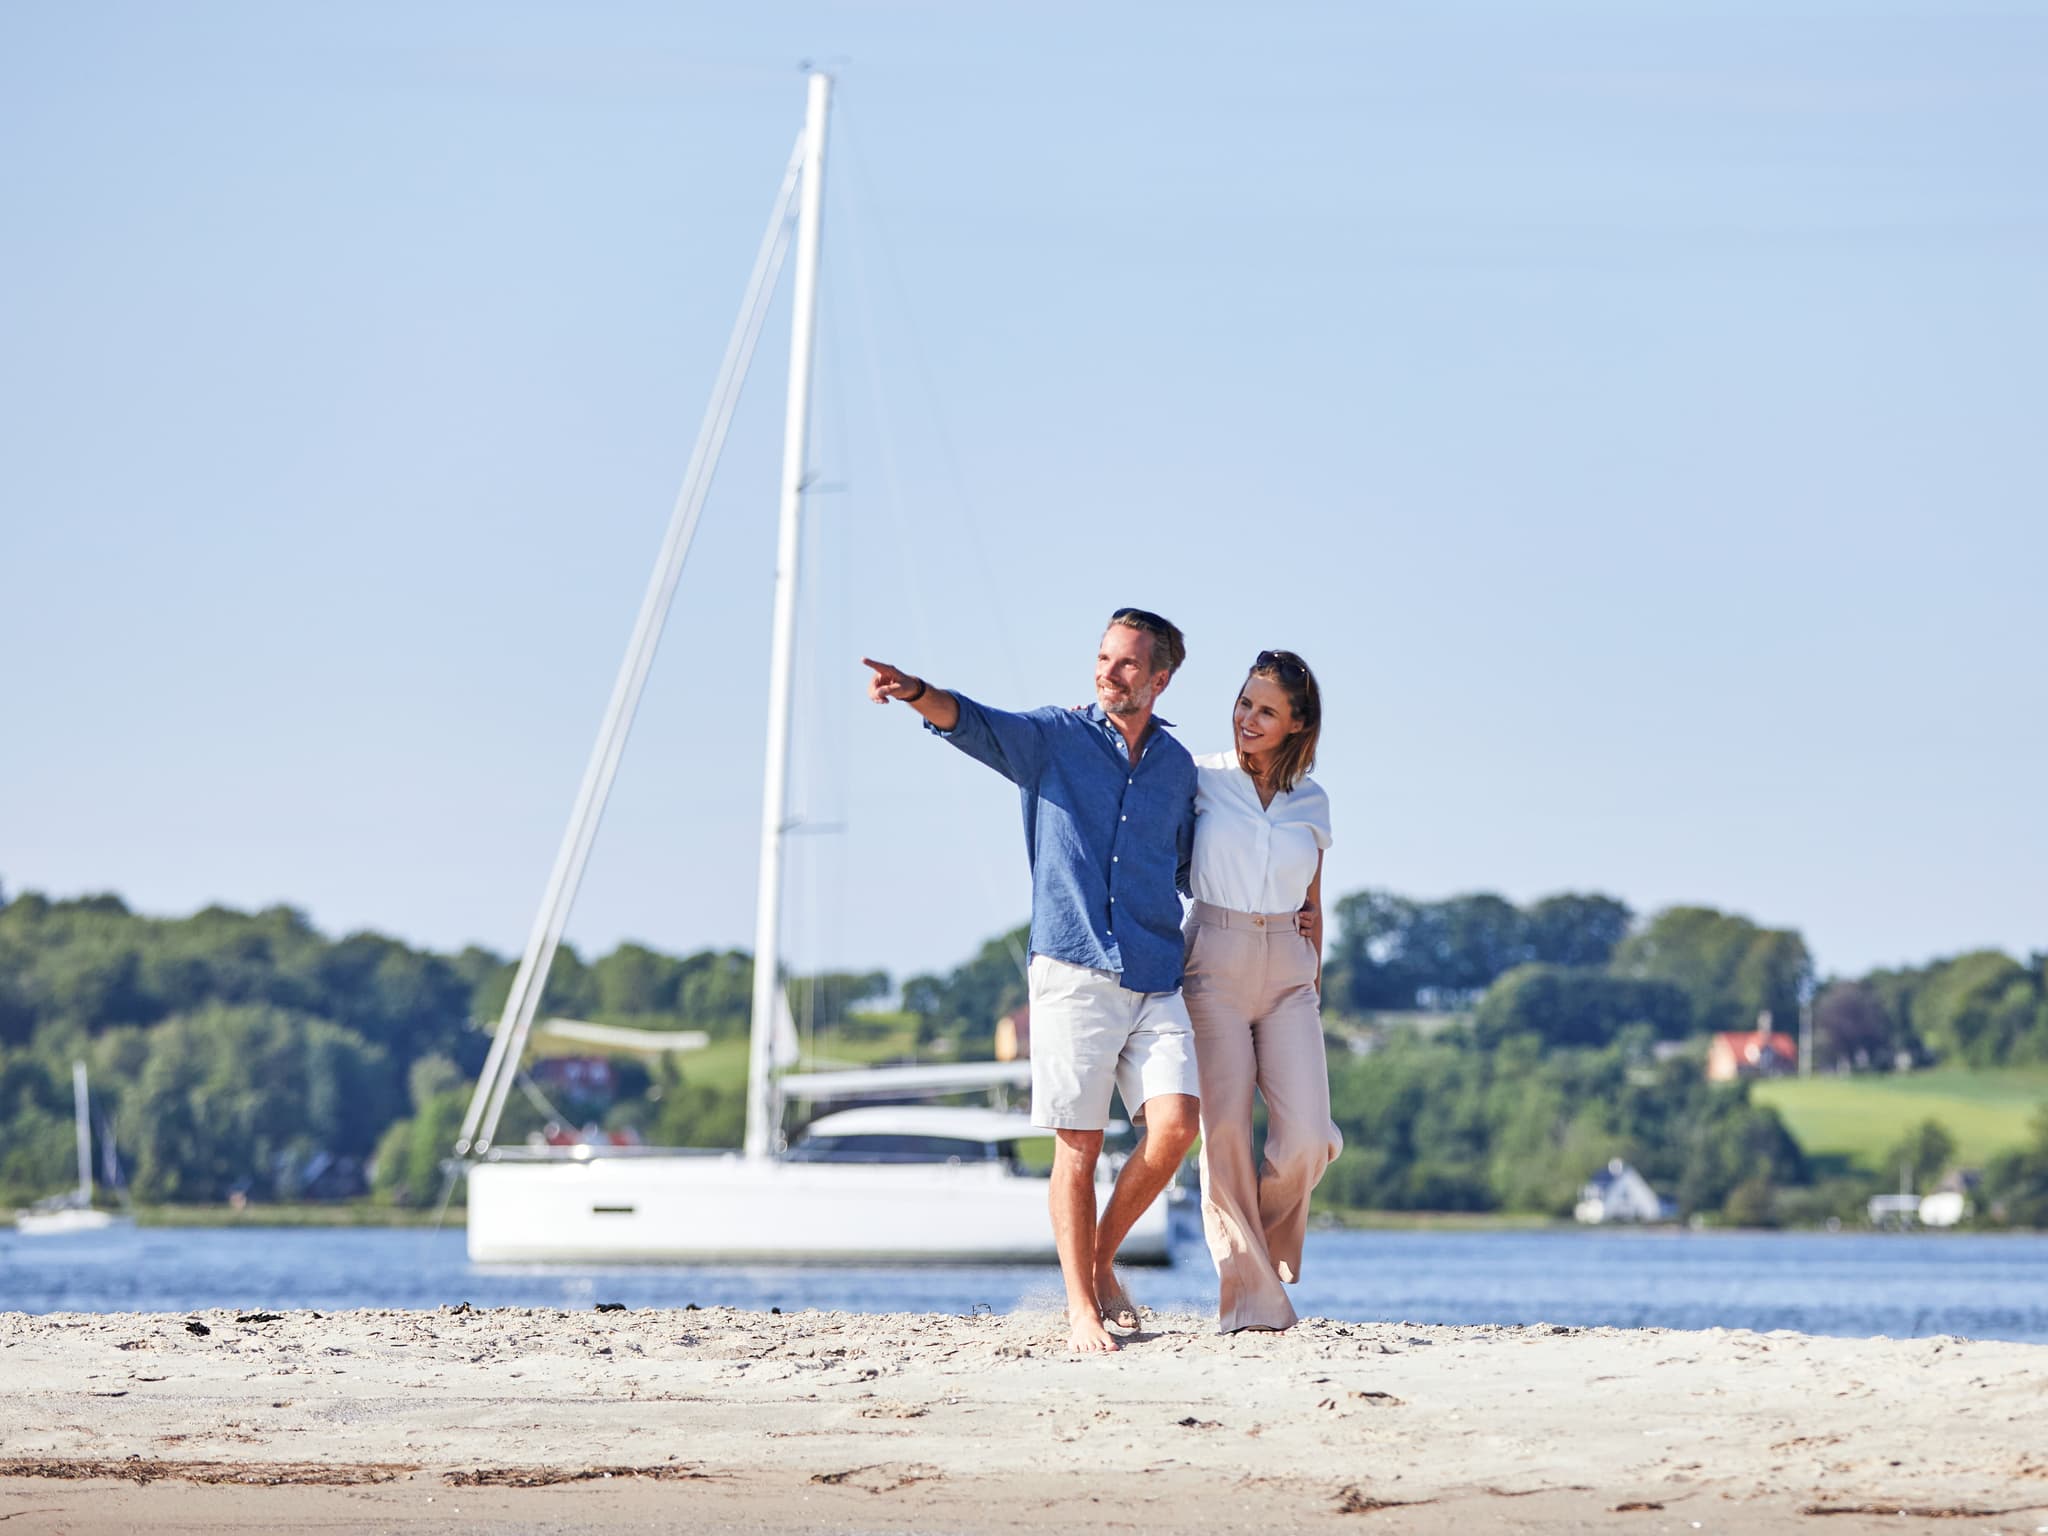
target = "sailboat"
x: 902, y: 1182
x: 72, y: 1212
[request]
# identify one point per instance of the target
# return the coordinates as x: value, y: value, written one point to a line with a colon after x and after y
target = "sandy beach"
x: 539, y: 1420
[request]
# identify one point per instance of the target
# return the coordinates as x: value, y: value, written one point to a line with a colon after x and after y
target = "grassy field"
x: 723, y: 1063
x: 1858, y: 1118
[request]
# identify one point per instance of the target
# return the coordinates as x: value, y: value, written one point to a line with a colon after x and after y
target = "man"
x: 1109, y: 823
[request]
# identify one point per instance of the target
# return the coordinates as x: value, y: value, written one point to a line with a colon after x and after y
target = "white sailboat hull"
x: 720, y: 1209
x: 68, y: 1223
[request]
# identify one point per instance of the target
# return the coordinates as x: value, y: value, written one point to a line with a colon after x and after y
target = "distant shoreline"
x: 366, y: 1214
x: 339, y: 1214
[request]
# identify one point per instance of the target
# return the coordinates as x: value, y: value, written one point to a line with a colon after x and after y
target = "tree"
x: 1571, y: 1006
x: 1436, y: 1124
x: 1414, y: 1120
x: 431, y: 1076
x: 1570, y: 929
x: 716, y: 992
x: 1920, y: 1156
x: 634, y: 980
x: 411, y: 1154
x: 1725, y: 1141
x: 1853, y: 1028
x: 247, y: 1098
x: 696, y: 1114
x: 1390, y: 952
x: 1469, y: 940
x: 964, y: 1004
x: 1983, y: 1008
x: 1730, y: 968
x: 17, y: 1013
x: 1546, y: 1140
x: 1369, y: 964
x: 1752, y: 1203
x: 2016, y: 1181
x: 406, y: 1000
x: 824, y: 1001
x: 35, y: 1129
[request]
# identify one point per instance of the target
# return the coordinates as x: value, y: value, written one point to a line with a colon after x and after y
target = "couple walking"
x: 1119, y: 822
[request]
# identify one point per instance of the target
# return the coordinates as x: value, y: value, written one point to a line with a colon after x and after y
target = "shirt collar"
x: 1250, y: 785
x: 1101, y: 717
x: 1115, y: 737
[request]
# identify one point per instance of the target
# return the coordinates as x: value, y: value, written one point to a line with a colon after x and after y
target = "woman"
x: 1253, y: 987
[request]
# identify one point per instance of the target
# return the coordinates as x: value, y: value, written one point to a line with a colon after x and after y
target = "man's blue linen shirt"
x: 1109, y: 840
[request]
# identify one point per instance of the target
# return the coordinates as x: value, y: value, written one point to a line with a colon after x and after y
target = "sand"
x: 539, y: 1420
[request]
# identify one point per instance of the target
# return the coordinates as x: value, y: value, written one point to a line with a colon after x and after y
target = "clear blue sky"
x: 1635, y: 414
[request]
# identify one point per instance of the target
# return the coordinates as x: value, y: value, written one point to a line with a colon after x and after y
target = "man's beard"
x: 1135, y: 702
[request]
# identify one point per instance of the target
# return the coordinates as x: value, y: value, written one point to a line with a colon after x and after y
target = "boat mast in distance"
x: 796, y: 432
x: 480, y: 1123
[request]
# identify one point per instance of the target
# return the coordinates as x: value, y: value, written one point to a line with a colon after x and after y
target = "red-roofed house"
x: 1751, y: 1053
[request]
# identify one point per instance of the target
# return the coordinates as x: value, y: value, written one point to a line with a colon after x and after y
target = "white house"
x: 1619, y: 1193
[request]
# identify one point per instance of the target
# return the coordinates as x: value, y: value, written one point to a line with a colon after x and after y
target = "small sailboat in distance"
x: 72, y: 1212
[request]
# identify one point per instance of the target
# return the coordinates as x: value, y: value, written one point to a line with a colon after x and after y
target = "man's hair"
x: 1169, y: 647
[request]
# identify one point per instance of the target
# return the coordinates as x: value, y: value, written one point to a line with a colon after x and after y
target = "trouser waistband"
x: 1223, y: 917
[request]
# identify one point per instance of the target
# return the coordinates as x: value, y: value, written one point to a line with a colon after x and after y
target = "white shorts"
x: 1089, y: 1034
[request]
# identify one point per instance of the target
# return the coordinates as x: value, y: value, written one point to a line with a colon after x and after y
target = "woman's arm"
x: 1310, y: 920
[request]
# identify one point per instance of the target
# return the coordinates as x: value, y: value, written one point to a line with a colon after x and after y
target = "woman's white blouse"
x: 1250, y: 857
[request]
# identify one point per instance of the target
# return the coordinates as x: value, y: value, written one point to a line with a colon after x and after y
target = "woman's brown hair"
x: 1292, y: 759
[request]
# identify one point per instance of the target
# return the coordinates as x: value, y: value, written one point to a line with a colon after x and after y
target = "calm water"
x: 1857, y: 1284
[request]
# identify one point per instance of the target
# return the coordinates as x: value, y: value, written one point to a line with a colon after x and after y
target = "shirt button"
x: 1115, y: 858
x: 1112, y: 901
x: 1123, y: 818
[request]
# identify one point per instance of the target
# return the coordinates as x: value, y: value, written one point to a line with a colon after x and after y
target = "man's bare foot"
x: 1087, y: 1336
x: 1118, y: 1310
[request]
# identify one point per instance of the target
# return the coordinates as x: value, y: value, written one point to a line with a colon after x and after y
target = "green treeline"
x: 247, y: 1055
x: 1485, y: 1056
x: 231, y: 1051
x: 1576, y: 970
x: 1445, y: 1125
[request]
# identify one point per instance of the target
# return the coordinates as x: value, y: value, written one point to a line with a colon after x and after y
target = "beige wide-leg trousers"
x: 1250, y: 990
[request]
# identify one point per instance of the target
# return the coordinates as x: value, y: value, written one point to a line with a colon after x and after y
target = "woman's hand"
x: 1308, y: 922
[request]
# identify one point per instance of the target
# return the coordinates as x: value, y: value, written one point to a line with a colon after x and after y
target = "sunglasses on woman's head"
x: 1280, y: 661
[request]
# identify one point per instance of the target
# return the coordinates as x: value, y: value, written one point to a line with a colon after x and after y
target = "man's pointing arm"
x: 935, y: 704
x: 1013, y: 745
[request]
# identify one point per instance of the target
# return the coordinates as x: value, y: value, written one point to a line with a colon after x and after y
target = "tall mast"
x: 480, y: 1124
x: 782, y: 653
x: 81, y: 1109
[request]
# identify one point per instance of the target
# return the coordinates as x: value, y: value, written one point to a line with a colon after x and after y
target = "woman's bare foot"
x: 1087, y: 1336
x: 1118, y: 1310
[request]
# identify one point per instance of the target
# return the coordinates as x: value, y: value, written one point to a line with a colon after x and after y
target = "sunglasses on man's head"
x: 1141, y: 619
